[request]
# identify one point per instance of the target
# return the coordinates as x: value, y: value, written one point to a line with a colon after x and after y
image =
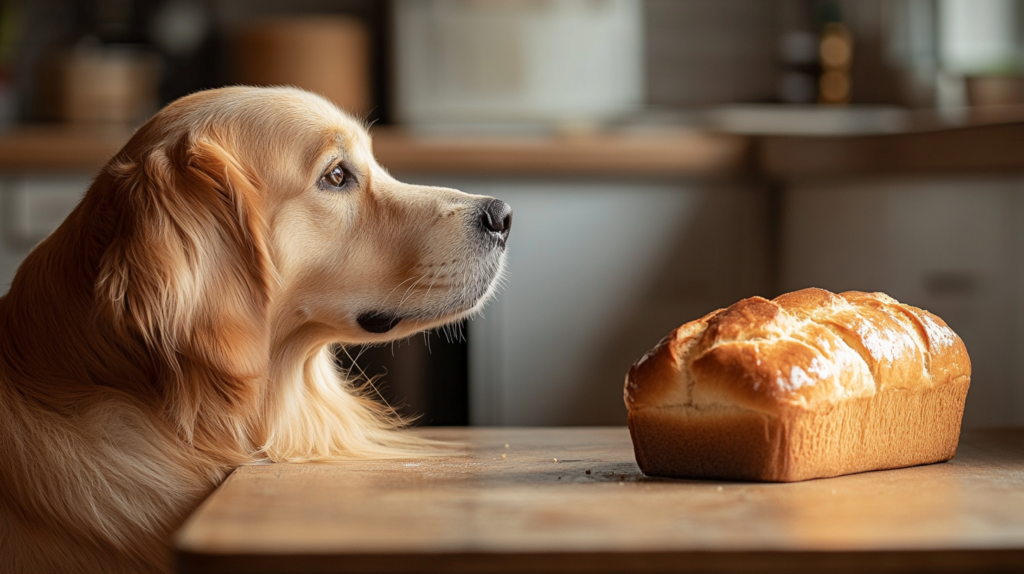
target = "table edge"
x: 959, y: 560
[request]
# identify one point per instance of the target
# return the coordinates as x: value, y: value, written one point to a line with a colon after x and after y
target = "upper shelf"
x: 56, y: 147
x: 740, y: 141
x: 663, y: 153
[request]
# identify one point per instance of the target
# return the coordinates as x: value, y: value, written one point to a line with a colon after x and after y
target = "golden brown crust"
x: 808, y: 385
x: 659, y: 369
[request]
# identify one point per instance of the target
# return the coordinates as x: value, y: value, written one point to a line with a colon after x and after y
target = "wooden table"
x: 515, y: 509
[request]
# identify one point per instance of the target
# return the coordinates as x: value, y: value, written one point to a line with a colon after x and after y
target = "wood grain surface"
x: 985, y: 148
x: 59, y: 147
x: 573, y: 500
x: 661, y: 153
x: 657, y: 153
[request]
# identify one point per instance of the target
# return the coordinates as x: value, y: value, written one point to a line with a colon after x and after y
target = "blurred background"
x: 664, y: 158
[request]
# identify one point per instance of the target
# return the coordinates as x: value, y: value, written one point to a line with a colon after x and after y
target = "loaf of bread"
x: 808, y: 385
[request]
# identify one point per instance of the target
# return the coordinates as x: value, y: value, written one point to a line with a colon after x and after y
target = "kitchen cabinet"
x: 951, y: 244
x: 31, y: 206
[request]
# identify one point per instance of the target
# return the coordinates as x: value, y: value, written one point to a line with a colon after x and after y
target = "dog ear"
x: 187, y: 273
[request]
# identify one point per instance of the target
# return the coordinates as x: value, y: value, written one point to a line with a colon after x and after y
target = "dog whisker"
x: 407, y: 291
x: 431, y: 286
x: 395, y: 289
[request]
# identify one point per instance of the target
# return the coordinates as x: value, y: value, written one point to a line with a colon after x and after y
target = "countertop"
x: 573, y: 500
x: 733, y: 141
x: 673, y: 152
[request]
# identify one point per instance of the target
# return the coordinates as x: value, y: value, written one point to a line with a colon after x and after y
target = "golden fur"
x: 182, y: 321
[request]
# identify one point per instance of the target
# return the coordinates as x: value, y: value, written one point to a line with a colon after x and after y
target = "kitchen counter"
x: 972, y: 149
x: 573, y: 500
x: 760, y: 140
x: 53, y: 147
x: 57, y: 147
x: 654, y: 153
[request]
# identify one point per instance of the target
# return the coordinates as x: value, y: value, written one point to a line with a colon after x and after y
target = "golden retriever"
x: 183, y: 319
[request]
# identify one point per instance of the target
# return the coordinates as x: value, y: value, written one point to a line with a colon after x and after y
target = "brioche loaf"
x: 808, y: 385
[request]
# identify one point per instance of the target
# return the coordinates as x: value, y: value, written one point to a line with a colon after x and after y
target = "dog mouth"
x: 378, y: 321
x: 474, y: 285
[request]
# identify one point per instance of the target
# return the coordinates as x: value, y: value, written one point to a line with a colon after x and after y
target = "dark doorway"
x: 425, y: 376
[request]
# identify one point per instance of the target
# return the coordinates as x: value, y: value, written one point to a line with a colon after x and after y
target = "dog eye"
x: 337, y: 177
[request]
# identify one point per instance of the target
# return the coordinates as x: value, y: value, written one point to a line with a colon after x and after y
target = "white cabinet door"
x: 31, y: 207
x: 949, y: 245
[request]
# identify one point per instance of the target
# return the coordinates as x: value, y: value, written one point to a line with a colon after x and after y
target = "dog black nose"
x: 497, y: 217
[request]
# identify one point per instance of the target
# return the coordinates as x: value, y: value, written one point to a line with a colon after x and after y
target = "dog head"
x: 244, y: 205
x: 240, y: 233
